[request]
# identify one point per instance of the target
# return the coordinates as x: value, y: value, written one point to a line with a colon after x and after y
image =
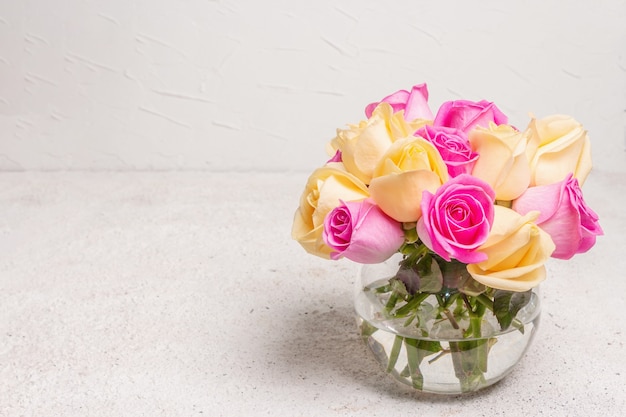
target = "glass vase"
x: 444, y: 342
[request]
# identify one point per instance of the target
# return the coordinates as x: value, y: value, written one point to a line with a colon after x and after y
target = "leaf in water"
x: 367, y: 329
x: 506, y: 305
x: 428, y: 347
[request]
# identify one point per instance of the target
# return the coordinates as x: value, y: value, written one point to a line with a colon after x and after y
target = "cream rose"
x: 409, y: 167
x: 324, y: 189
x: 516, y: 250
x: 558, y: 146
x: 363, y: 145
x: 502, y: 162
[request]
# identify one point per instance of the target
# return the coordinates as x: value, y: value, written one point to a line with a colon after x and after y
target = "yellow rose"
x: 502, y: 162
x: 325, y: 187
x: 558, y: 145
x: 363, y: 145
x: 410, y: 166
x: 516, y: 250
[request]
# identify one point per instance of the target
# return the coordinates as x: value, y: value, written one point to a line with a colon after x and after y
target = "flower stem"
x: 451, y: 318
x: 395, y: 352
x: 393, y: 299
x: 469, y: 358
x: 412, y: 305
x: 413, y: 360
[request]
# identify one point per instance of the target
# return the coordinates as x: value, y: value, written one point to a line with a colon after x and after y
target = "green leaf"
x: 408, y: 278
x: 398, y: 286
x: 421, y: 274
x: 428, y: 347
x: 452, y: 271
x: 471, y: 287
x: 506, y: 305
x: 431, y: 278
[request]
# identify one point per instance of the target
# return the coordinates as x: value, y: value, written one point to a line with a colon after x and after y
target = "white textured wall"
x: 262, y: 85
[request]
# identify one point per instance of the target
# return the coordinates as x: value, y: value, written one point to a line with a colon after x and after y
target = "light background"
x: 262, y: 85
x: 180, y: 293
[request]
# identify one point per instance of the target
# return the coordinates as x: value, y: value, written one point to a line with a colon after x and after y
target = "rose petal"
x: 456, y: 219
x: 373, y: 236
x: 400, y: 195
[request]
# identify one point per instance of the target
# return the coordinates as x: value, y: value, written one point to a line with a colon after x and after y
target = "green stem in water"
x: 393, y: 300
x: 413, y: 360
x: 482, y: 346
x: 451, y: 318
x: 469, y: 357
x: 395, y: 352
x: 412, y: 305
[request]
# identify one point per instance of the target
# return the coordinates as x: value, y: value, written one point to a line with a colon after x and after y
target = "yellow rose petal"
x: 523, y: 282
x: 400, y: 195
x: 516, y: 250
x: 558, y: 146
x: 363, y: 145
x: 502, y: 163
x: 324, y: 189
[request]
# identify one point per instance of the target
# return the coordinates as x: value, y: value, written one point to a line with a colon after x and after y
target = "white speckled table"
x: 182, y: 294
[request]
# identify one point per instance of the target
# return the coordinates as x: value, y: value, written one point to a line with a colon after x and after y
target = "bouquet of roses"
x: 474, y: 205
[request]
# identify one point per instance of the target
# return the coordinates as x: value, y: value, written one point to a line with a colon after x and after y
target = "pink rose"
x: 457, y: 219
x: 564, y: 215
x: 454, y: 147
x: 414, y: 103
x: 466, y: 114
x: 361, y: 232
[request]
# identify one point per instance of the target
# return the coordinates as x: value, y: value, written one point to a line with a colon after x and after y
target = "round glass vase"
x: 437, y: 345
